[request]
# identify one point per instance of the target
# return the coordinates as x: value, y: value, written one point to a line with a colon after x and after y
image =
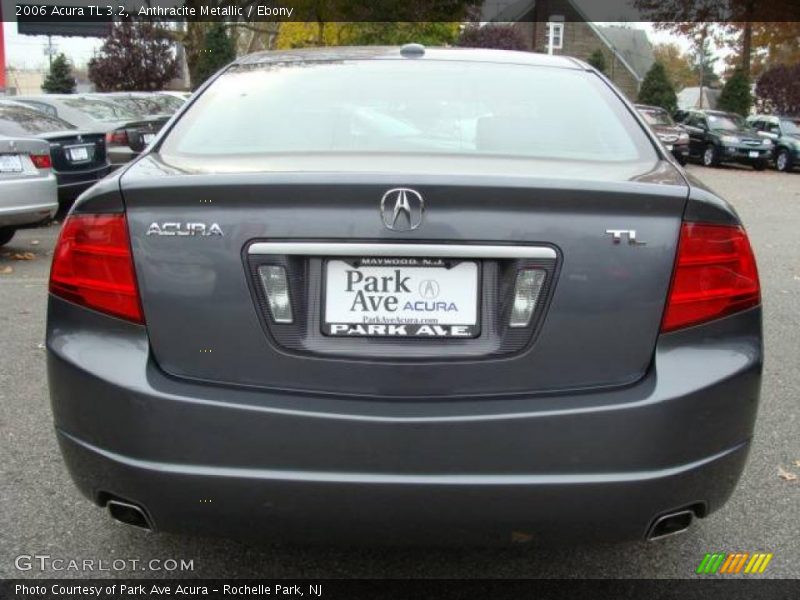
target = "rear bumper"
x: 231, y: 461
x: 27, y: 201
x: 72, y: 183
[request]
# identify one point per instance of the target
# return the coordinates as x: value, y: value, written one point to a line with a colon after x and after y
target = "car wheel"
x: 710, y: 158
x: 760, y: 165
x: 6, y: 233
x: 783, y: 162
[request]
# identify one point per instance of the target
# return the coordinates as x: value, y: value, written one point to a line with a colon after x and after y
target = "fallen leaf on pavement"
x: 23, y: 256
x: 785, y: 475
x: 6, y: 270
x: 796, y: 463
x: 34, y: 242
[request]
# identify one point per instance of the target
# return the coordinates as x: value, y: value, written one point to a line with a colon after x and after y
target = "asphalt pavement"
x: 43, y: 514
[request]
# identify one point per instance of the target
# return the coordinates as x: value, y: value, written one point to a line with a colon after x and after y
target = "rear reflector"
x: 526, y: 295
x: 41, y: 161
x: 276, y: 288
x: 93, y: 266
x: 715, y: 276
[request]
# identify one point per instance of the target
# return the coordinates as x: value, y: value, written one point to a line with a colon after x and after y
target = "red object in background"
x: 2, y: 52
x: 42, y: 161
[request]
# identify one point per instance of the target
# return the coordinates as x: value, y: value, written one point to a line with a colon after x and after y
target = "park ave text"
x: 148, y: 590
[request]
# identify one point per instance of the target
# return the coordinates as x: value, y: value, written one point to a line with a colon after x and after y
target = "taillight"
x: 715, y: 275
x: 41, y: 161
x: 93, y: 266
x: 118, y: 136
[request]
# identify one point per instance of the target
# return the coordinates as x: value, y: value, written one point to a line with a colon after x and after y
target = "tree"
x: 218, y: 51
x: 778, y: 90
x: 734, y: 24
x: 679, y: 66
x: 137, y: 55
x: 598, y: 60
x: 735, y: 96
x: 499, y: 37
x: 59, y: 80
x: 657, y: 90
x: 705, y: 65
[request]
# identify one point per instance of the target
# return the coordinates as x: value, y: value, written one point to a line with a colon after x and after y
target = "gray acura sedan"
x: 401, y: 294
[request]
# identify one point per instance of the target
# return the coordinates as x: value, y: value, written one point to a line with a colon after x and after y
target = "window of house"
x: 557, y: 27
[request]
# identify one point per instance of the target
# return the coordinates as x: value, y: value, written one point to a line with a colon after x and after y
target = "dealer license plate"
x: 401, y: 297
x: 10, y: 163
x: 78, y: 154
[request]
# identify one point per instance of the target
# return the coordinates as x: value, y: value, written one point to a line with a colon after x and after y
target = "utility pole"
x: 50, y: 50
x: 701, y: 39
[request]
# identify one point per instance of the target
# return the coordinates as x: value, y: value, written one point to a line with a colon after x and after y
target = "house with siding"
x: 628, y: 52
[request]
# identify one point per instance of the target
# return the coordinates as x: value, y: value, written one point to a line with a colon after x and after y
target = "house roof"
x: 689, y: 97
x: 506, y: 11
x: 631, y: 45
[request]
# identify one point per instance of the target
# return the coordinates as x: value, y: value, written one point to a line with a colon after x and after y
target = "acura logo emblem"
x: 402, y: 209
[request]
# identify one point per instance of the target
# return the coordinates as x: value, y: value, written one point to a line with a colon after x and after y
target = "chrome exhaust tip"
x: 128, y: 513
x: 670, y: 524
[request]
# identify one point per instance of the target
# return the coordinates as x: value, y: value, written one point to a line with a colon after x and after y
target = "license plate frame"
x: 417, y: 331
x: 78, y: 154
x: 11, y: 163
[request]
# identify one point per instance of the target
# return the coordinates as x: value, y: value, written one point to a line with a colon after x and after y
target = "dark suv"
x: 674, y: 137
x: 717, y: 137
x: 784, y: 132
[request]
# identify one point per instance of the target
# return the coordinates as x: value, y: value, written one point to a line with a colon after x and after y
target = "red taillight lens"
x: 93, y: 266
x: 118, y: 136
x: 715, y: 275
x: 41, y: 161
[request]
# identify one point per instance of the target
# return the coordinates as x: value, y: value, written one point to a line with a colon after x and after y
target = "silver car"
x: 27, y: 185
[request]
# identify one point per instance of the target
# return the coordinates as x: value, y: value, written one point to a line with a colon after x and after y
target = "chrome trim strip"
x: 402, y: 250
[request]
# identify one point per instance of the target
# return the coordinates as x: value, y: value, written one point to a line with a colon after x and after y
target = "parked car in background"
x: 78, y: 157
x: 720, y: 137
x: 126, y: 131
x: 784, y: 132
x: 674, y: 137
x: 143, y: 104
x: 545, y: 326
x: 27, y: 184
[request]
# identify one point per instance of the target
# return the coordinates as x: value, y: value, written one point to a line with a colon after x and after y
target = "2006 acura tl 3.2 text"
x: 405, y: 293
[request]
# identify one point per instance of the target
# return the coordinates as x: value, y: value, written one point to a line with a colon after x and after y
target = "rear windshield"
x: 401, y: 106
x: 16, y: 120
x: 100, y: 110
x: 167, y: 104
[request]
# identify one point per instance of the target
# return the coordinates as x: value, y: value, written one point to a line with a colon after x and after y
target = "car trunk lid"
x: 598, y: 316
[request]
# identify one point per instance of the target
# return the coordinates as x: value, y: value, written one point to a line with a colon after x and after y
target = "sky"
x: 27, y: 51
